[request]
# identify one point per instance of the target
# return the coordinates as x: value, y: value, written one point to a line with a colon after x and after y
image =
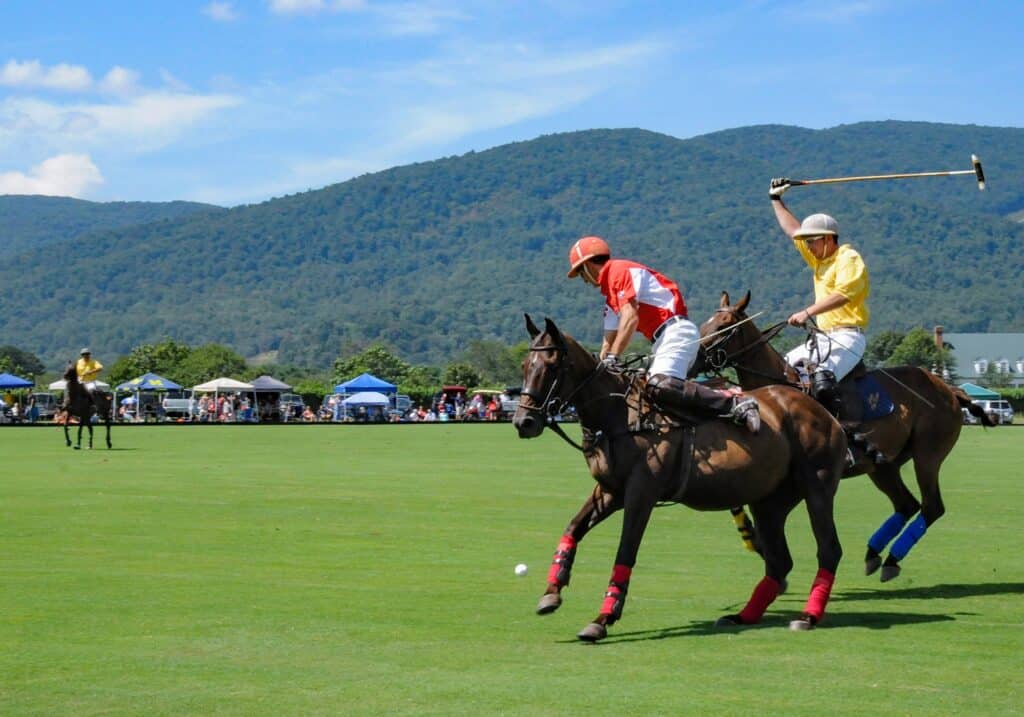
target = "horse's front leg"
x: 595, y: 509
x: 638, y: 507
x: 78, y: 445
x: 89, y: 426
x: 67, y: 434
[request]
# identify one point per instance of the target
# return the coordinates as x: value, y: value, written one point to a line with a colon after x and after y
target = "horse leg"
x: 78, y: 445
x: 595, y: 509
x: 745, y: 527
x: 89, y: 426
x: 820, y: 502
x: 67, y: 434
x: 637, y: 513
x: 770, y: 515
x: 886, y: 477
x: 932, y: 508
x: 109, y: 444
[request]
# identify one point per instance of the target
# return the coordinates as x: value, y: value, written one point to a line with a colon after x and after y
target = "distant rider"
x: 88, y: 369
x: 638, y: 298
x: 841, y: 289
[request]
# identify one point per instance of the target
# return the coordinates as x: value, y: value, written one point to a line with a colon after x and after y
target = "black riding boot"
x: 684, y: 399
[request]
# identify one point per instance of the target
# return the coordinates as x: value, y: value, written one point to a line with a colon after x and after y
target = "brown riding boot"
x: 689, y: 399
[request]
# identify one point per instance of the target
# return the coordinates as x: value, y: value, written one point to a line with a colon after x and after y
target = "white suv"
x: 1001, y: 410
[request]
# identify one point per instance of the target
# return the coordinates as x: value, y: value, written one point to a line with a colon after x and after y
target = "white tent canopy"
x: 62, y: 385
x: 366, y: 398
x: 222, y: 385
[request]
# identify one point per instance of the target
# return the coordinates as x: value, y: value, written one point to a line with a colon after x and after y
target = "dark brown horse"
x: 78, y: 403
x: 923, y: 427
x: 639, y: 459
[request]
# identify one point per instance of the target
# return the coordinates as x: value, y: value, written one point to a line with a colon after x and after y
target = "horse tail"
x: 974, y: 409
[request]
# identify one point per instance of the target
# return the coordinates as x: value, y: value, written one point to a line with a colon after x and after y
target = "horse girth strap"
x: 685, y: 464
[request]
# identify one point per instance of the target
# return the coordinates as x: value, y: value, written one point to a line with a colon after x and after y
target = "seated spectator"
x: 308, y: 416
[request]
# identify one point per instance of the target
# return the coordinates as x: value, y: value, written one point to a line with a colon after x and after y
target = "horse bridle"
x: 718, y: 359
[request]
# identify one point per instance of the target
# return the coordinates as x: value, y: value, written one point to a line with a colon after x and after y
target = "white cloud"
x: 834, y: 11
x: 143, y: 123
x: 32, y: 74
x: 220, y: 11
x: 287, y: 7
x: 120, y: 81
x: 66, y: 175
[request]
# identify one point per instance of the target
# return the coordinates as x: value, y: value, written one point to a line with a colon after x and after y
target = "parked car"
x: 291, y: 406
x: 999, y: 410
x: 179, y: 404
x: 47, y: 404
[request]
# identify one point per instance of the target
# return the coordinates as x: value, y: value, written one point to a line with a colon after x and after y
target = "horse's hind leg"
x: 886, y: 477
x: 932, y: 508
x: 595, y: 509
x: 770, y: 516
x: 67, y: 434
x: 78, y: 445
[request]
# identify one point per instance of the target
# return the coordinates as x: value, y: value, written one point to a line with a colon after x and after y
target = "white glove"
x: 611, y: 361
x: 778, y: 187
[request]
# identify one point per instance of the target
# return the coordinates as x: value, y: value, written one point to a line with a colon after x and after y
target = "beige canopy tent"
x: 225, y: 385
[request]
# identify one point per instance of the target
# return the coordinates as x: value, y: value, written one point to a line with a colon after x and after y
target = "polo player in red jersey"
x: 638, y: 298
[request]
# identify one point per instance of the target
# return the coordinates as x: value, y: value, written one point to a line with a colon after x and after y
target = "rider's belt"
x: 658, y: 331
x: 858, y: 329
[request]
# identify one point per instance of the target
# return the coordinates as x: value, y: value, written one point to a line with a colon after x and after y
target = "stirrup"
x: 746, y: 412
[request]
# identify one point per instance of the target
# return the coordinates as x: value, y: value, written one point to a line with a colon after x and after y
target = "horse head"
x: 557, y: 371
x: 725, y: 334
x: 71, y: 373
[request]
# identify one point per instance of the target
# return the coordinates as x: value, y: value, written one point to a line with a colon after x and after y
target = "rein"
x: 718, y: 359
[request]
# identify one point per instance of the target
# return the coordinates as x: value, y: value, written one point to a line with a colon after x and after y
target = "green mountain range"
x: 428, y: 257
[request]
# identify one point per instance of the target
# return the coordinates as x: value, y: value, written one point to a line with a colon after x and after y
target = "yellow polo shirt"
x: 842, y: 273
x: 88, y: 370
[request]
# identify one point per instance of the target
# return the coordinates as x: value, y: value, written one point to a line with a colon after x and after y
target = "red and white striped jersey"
x: 658, y: 298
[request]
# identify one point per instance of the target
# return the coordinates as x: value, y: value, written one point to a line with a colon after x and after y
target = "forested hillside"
x: 27, y: 222
x: 428, y: 257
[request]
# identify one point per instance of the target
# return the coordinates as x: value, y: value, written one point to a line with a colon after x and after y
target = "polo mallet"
x: 976, y: 171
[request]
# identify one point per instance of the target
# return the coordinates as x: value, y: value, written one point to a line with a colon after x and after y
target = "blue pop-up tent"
x: 9, y: 380
x: 366, y: 382
x: 149, y: 382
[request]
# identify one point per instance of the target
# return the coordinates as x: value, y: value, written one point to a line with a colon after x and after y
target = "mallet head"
x: 978, y: 171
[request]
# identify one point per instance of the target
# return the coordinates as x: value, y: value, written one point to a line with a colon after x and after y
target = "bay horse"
x: 640, y: 458
x: 923, y: 428
x: 79, y: 404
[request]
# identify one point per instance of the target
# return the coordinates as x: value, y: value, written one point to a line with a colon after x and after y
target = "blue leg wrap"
x: 889, y: 530
x: 908, y: 539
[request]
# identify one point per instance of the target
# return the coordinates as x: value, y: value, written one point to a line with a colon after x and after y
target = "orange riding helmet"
x: 584, y: 249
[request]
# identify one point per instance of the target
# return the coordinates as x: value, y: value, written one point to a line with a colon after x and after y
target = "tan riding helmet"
x: 584, y: 249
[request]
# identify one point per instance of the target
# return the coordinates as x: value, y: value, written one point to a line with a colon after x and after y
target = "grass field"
x: 343, y: 570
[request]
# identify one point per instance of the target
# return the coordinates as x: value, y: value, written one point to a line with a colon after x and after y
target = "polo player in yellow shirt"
x: 841, y: 288
x: 88, y: 369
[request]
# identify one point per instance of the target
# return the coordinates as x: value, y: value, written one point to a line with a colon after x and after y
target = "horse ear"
x: 552, y: 330
x: 742, y: 306
x: 531, y: 328
x: 724, y: 301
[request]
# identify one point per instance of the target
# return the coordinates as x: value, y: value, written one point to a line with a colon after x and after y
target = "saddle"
x: 862, y: 397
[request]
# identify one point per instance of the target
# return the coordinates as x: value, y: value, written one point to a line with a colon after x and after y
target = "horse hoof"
x: 78, y: 448
x: 802, y: 625
x: 871, y: 565
x: 729, y: 621
x: 593, y: 632
x: 889, y: 572
x: 549, y: 603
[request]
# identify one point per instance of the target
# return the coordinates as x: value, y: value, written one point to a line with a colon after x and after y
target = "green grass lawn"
x: 307, y: 570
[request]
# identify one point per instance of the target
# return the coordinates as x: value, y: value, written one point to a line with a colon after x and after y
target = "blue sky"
x: 236, y: 101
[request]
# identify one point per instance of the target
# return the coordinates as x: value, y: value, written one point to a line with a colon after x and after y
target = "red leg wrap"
x: 616, y: 592
x: 565, y: 549
x: 820, y: 591
x: 764, y: 595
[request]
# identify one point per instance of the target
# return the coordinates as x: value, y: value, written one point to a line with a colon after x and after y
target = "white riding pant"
x: 838, y: 350
x: 675, y: 350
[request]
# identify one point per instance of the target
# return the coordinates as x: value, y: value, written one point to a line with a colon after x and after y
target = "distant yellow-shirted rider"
x: 88, y: 369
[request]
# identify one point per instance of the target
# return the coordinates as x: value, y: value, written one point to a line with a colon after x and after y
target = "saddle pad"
x: 875, y: 401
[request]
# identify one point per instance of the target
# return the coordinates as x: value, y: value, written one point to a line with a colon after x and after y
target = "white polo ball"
x: 521, y: 569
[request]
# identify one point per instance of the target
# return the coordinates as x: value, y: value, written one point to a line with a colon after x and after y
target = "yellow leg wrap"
x: 745, y: 527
